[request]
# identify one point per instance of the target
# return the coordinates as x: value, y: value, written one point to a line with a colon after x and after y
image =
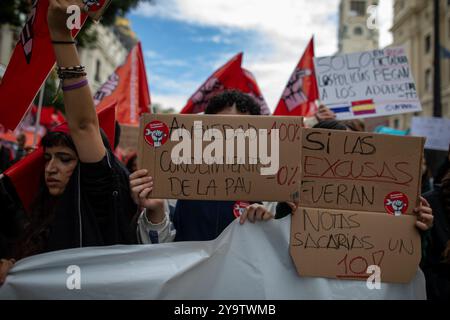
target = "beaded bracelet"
x: 71, y: 72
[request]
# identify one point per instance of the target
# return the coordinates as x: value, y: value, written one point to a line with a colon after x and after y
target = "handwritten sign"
x: 435, y: 130
x: 357, y: 194
x: 192, y: 156
x: 367, y: 84
x: 360, y: 171
x: 343, y: 244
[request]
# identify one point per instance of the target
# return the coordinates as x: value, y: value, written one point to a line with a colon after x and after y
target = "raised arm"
x: 78, y: 102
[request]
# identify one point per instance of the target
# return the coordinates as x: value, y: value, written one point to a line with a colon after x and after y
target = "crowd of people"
x: 90, y: 198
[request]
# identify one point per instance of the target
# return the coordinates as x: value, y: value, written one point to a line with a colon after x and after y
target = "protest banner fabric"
x: 249, y: 261
x: 31, y: 62
x: 301, y: 92
x: 128, y: 86
x: 230, y: 76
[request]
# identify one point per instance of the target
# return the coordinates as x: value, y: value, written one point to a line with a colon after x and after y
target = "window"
x: 396, y: 123
x: 344, y: 31
x: 358, y: 31
x: 358, y: 7
x: 97, y: 70
x: 428, y: 80
x: 428, y: 44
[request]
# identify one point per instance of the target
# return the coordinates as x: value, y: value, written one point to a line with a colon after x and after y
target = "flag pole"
x: 38, y: 116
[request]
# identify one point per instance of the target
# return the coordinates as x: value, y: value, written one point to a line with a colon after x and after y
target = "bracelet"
x: 65, y: 42
x: 71, y: 72
x: 76, y: 85
x: 74, y: 68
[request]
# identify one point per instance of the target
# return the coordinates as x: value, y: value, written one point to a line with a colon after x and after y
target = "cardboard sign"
x: 343, y: 244
x: 367, y: 84
x: 435, y: 130
x: 129, y: 137
x: 194, y: 157
x: 357, y: 195
x: 360, y: 171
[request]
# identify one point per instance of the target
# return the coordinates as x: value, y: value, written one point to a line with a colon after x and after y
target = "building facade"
x: 354, y: 35
x: 110, y: 51
x: 414, y: 30
x: 8, y: 39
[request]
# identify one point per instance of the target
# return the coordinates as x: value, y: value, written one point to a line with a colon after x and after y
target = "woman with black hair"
x: 436, y: 259
x: 85, y: 198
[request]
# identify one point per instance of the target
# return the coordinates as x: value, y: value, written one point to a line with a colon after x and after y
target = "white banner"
x: 246, y: 262
x: 436, y: 130
x: 367, y: 84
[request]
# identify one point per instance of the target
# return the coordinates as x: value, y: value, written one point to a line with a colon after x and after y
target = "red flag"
x: 298, y: 98
x: 128, y: 86
x: 215, y: 83
x: 254, y: 91
x: 26, y: 174
x: 30, y: 64
x: 230, y: 76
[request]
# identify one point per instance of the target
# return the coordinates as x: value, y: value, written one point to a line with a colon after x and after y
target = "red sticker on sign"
x: 156, y: 133
x: 239, y: 207
x: 396, y: 203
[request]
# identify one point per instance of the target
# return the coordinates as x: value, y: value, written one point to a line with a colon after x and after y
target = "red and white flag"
x: 230, y: 76
x: 129, y: 87
x: 31, y: 62
x: 26, y: 175
x: 300, y: 94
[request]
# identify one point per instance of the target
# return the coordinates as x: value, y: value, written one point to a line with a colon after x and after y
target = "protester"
x: 427, y: 178
x: 322, y: 114
x: 356, y: 125
x: 194, y: 220
x: 436, y: 258
x: 21, y: 150
x: 85, y: 200
x: 443, y: 169
x: 5, y: 157
x: 331, y: 125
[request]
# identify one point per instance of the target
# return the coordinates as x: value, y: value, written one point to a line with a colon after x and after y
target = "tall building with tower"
x: 354, y: 35
x: 413, y: 29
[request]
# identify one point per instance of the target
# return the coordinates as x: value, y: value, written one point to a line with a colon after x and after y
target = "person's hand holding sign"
x: 255, y: 212
x: 141, y: 185
x: 5, y: 266
x: 424, y: 215
x: 325, y: 113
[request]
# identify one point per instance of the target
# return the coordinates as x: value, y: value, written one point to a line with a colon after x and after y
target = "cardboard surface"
x: 360, y: 171
x: 343, y: 244
x: 367, y: 84
x: 129, y: 137
x: 220, y: 181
